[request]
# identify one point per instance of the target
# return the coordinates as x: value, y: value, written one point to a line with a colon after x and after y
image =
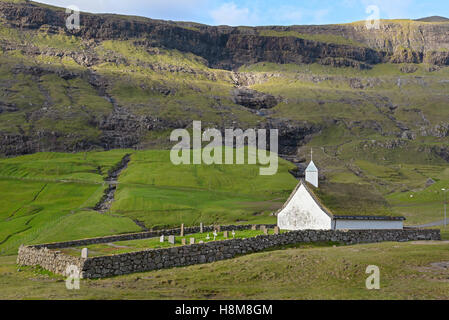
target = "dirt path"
x: 112, y: 180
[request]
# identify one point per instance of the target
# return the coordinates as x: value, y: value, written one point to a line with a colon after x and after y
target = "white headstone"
x: 162, y: 239
x: 171, y: 239
x: 192, y: 240
x: 85, y: 253
x: 201, y: 228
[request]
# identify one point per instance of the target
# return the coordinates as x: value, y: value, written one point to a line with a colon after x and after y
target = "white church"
x: 304, y: 211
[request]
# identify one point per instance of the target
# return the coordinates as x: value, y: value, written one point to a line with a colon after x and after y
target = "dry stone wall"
x: 147, y: 260
x: 54, y: 261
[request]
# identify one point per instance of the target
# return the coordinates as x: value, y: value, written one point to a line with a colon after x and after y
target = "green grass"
x: 120, y: 247
x: 304, y: 272
x: 160, y: 194
x: 89, y: 167
x: 49, y: 197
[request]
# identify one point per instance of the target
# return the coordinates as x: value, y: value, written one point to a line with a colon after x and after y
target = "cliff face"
x: 392, y: 34
x: 229, y: 48
x: 123, y: 82
x: 222, y: 47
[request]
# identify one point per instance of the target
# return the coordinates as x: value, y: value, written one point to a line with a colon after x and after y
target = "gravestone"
x: 201, y: 228
x: 253, y: 227
x: 85, y: 253
x: 218, y: 228
x: 215, y: 235
x: 184, y: 242
x: 262, y: 228
x: 182, y: 230
x: 171, y: 239
x: 192, y: 240
x: 208, y: 237
x: 233, y: 233
x: 162, y: 239
x: 276, y: 230
x: 201, y: 242
x: 225, y: 234
x: 265, y: 231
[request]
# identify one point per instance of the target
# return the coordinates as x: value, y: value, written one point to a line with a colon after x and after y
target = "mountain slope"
x: 126, y: 81
x: 363, y: 99
x: 372, y: 105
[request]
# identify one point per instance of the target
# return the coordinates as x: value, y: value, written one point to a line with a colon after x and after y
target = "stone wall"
x: 147, y: 260
x: 54, y: 261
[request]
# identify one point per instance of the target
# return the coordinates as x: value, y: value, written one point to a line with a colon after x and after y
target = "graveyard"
x: 302, y: 271
x: 120, y: 247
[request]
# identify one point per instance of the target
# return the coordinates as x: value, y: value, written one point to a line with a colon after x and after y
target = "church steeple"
x: 312, y: 172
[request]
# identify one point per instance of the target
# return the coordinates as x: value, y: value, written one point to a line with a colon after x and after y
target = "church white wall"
x: 368, y: 224
x: 303, y: 213
x: 312, y: 178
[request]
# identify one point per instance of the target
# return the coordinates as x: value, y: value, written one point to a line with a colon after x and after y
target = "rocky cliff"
x: 126, y: 81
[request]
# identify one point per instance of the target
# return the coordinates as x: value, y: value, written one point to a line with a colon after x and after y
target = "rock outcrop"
x: 253, y: 99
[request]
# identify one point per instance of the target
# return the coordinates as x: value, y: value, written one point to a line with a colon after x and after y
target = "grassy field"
x: 49, y: 197
x: 407, y: 271
x: 160, y: 194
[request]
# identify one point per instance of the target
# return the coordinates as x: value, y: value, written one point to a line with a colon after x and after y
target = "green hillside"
x: 48, y: 197
x: 375, y: 116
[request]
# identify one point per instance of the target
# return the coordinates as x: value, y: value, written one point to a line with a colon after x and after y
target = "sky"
x: 262, y: 12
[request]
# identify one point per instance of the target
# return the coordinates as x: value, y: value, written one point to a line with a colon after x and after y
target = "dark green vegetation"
x: 407, y: 271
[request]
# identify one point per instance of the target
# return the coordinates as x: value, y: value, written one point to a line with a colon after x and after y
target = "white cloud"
x: 170, y: 9
x: 230, y: 14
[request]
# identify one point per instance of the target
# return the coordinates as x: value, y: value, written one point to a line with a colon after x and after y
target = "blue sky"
x: 262, y: 12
